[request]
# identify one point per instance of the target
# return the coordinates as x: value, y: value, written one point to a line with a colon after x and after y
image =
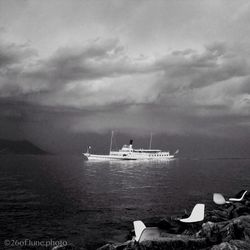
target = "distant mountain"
x: 19, y: 147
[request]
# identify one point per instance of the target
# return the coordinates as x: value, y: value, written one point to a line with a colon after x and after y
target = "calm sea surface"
x: 90, y: 203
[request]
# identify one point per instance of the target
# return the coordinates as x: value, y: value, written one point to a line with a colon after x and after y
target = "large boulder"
x: 235, y: 229
x: 232, y: 245
x: 175, y: 242
x: 128, y: 245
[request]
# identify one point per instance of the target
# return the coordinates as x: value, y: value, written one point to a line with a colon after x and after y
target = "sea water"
x: 91, y: 203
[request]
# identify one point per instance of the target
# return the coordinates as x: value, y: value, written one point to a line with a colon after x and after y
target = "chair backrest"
x: 198, y: 212
x: 196, y: 215
x: 241, y: 194
x: 219, y: 199
x: 139, y: 227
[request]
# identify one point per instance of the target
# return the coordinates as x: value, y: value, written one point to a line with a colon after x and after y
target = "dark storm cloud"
x: 185, y: 90
x: 15, y: 59
x: 12, y: 54
x: 195, y: 82
x: 94, y: 68
x: 101, y: 59
x: 192, y: 69
x: 98, y: 60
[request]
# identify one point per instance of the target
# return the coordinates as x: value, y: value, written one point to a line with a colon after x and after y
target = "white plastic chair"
x: 196, y: 215
x: 151, y: 233
x: 139, y: 227
x: 219, y: 199
x: 241, y: 198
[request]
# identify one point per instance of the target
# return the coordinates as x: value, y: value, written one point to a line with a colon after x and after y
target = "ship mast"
x: 111, y: 141
x: 150, y: 142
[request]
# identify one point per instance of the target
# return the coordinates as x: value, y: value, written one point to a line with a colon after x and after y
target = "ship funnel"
x: 130, y: 143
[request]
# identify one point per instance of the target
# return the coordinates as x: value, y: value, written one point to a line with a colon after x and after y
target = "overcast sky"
x: 170, y: 66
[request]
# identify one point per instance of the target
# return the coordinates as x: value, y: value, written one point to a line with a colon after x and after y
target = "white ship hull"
x: 128, y: 157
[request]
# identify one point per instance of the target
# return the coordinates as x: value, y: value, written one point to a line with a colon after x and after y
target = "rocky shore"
x: 226, y: 227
